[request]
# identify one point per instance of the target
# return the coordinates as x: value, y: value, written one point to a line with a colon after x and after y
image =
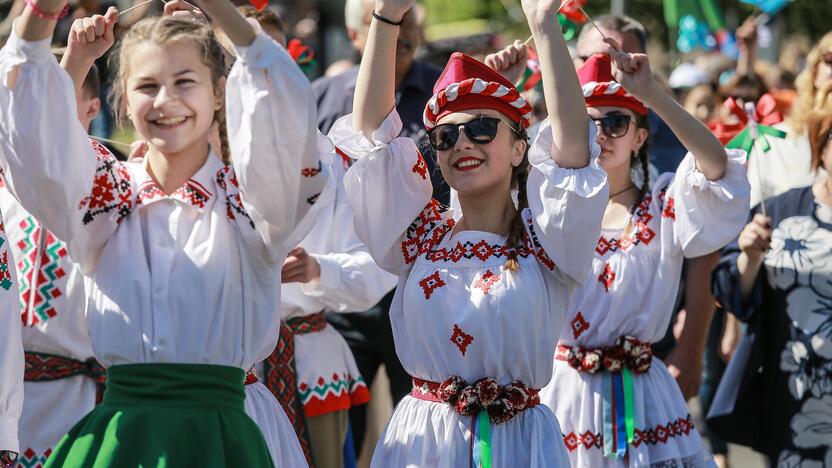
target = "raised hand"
x: 755, y: 238
x: 90, y: 38
x: 185, y: 10
x: 541, y: 6
x: 393, y: 9
x: 509, y: 62
x: 632, y: 71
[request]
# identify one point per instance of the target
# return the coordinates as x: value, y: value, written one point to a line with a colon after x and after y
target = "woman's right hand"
x: 755, y: 238
x: 393, y: 10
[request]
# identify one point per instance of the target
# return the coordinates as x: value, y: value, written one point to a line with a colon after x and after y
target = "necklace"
x: 622, y: 191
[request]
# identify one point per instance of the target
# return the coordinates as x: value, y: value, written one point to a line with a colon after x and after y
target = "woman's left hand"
x: 632, y: 71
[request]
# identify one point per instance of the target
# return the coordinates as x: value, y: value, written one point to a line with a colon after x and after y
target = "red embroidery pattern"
x: 311, y: 171
x: 38, y: 288
x: 537, y: 249
x: 420, y: 167
x: 607, y: 277
x: 461, y: 339
x: 669, y: 209
x: 192, y: 193
x: 650, y: 436
x: 468, y: 250
x: 431, y: 284
x: 486, y: 281
x: 227, y: 181
x: 579, y: 325
x: 31, y: 459
x: 641, y: 234
x: 422, y: 234
x: 111, y: 189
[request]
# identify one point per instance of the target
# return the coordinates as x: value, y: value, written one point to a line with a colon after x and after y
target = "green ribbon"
x: 629, y: 405
x: 484, y: 428
x: 568, y: 27
x: 745, y: 142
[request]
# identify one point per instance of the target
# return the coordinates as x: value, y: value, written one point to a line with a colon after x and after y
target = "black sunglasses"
x: 614, y: 125
x: 481, y: 130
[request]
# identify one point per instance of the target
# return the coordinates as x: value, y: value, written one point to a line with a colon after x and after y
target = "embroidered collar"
x: 195, y: 192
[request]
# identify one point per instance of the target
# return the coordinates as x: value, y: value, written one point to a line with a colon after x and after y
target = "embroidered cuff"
x: 585, y: 182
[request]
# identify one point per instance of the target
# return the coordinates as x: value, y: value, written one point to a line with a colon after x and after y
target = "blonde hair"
x: 162, y: 31
x: 806, y: 91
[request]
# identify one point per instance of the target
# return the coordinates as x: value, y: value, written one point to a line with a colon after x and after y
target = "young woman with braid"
x: 617, y: 406
x: 479, y: 300
x: 183, y: 252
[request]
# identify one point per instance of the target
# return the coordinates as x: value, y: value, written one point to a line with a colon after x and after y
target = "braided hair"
x: 517, y: 229
x: 643, y: 159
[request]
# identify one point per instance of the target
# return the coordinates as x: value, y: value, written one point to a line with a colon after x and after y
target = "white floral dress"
x: 785, y: 395
x: 630, y: 291
x: 456, y: 312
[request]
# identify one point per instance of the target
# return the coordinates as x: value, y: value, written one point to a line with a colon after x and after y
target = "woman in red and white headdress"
x: 616, y: 404
x: 479, y: 300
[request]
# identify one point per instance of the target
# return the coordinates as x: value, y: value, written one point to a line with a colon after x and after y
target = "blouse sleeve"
x: 76, y: 188
x: 275, y: 147
x: 726, y: 282
x: 705, y: 215
x: 566, y: 207
x: 350, y: 279
x: 389, y: 191
x: 11, y: 350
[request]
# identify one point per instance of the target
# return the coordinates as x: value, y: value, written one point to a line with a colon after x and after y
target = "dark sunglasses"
x: 614, y: 125
x: 482, y: 130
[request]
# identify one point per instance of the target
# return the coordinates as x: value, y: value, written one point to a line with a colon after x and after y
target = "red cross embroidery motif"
x: 431, y: 284
x: 669, y: 208
x: 486, y: 281
x: 607, y: 277
x: 461, y: 339
x: 579, y: 325
x: 420, y: 167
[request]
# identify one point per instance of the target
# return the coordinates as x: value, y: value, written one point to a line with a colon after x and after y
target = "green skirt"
x: 166, y: 415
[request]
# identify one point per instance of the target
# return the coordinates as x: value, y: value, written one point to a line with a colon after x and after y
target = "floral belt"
x: 486, y: 401
x: 628, y: 353
x: 629, y: 356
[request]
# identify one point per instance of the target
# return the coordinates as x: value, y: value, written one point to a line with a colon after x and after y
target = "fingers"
x: 89, y: 29
x: 614, y: 44
x: 137, y: 151
x: 507, y: 57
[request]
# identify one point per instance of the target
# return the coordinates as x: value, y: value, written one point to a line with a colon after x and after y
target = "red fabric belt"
x: 501, y: 402
x: 281, y: 374
x: 628, y: 352
x: 43, y: 367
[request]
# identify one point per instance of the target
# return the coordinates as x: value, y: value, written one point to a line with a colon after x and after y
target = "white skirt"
x: 664, y: 431
x: 423, y: 433
x: 280, y: 436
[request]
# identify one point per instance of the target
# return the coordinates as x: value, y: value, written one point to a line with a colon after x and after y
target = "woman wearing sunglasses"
x: 617, y: 406
x: 479, y: 300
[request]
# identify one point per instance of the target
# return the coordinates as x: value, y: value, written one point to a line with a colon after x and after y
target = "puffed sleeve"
x: 275, y: 148
x: 350, y: 280
x: 389, y: 191
x: 75, y: 187
x: 11, y: 350
x: 566, y: 207
x: 704, y: 215
x: 726, y: 281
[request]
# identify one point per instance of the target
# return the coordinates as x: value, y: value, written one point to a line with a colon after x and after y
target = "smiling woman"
x: 182, y: 252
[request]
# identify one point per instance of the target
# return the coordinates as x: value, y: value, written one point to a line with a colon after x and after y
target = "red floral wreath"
x: 628, y: 352
x: 500, y: 402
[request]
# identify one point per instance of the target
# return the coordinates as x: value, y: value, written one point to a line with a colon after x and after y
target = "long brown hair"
x: 819, y: 128
x: 163, y: 31
x: 517, y: 228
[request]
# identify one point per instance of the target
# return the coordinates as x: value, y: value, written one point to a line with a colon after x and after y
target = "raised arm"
x: 77, y: 190
x: 564, y: 99
x: 275, y: 147
x: 633, y: 72
x: 89, y: 39
x: 375, y: 88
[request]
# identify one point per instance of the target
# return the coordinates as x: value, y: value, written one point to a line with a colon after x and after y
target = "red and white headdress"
x: 600, y: 88
x: 467, y: 83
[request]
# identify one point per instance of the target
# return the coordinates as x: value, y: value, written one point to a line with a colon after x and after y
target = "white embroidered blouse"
x: 190, y: 277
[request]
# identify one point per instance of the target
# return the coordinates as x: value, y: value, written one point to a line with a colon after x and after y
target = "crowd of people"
x: 548, y: 265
